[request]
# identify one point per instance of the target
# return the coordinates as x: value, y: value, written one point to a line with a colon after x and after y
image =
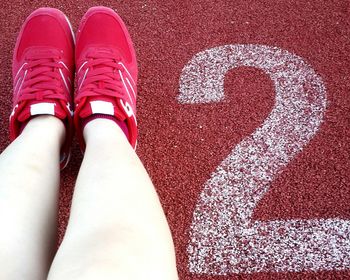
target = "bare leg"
x: 29, y: 170
x: 117, y: 228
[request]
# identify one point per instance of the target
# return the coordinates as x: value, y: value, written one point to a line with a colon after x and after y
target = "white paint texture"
x: 223, y: 237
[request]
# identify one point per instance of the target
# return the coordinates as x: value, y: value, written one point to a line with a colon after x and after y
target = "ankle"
x: 121, y: 124
x: 103, y: 130
x: 45, y: 127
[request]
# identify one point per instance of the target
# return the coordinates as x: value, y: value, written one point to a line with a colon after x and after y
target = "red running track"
x: 182, y: 144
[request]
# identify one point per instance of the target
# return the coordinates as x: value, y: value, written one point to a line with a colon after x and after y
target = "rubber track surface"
x: 181, y: 145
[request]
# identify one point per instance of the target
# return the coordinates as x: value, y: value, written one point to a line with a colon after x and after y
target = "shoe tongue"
x: 41, y: 53
x: 103, y: 52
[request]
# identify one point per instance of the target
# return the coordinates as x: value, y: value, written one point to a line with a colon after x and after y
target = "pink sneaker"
x: 106, y: 73
x: 43, y: 68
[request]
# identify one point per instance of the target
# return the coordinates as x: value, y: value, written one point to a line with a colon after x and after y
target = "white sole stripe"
x: 64, y: 65
x: 82, y: 81
x: 20, y: 69
x: 132, y: 89
x: 64, y: 81
x: 24, y: 76
x: 132, y: 80
x: 17, y: 84
x: 81, y: 67
x: 121, y: 75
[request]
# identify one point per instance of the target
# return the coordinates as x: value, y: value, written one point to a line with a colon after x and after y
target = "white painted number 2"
x: 223, y: 237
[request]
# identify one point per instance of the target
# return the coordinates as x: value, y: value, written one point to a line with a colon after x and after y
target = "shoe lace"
x: 102, y: 76
x: 43, y: 79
